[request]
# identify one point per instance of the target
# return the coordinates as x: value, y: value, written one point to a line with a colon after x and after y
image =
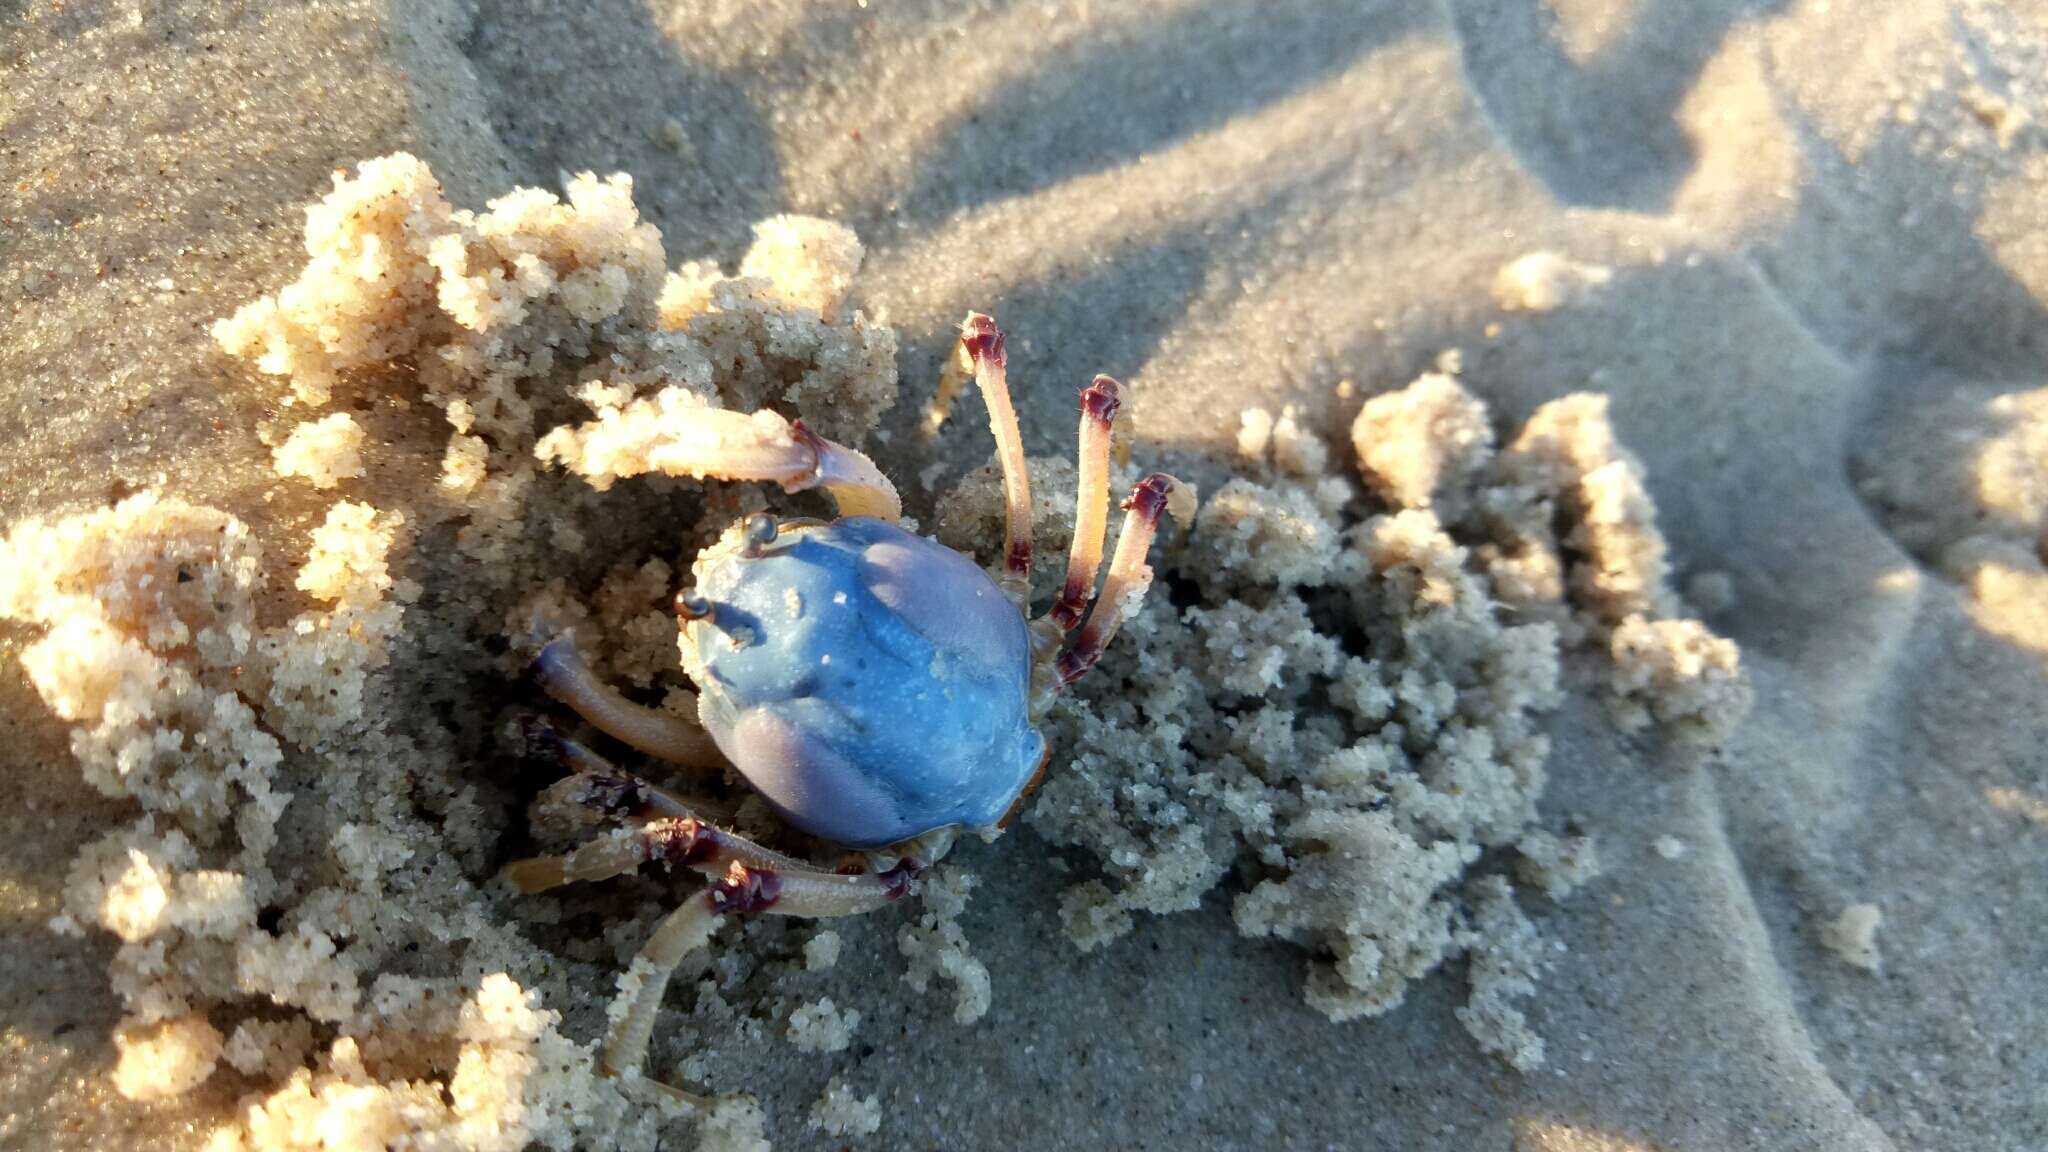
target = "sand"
x: 1795, y: 246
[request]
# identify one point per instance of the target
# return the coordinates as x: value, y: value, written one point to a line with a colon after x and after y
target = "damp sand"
x: 1616, y: 427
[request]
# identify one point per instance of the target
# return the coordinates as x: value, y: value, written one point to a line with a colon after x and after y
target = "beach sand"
x: 1795, y: 246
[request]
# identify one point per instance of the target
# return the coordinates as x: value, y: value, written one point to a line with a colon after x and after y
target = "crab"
x: 880, y: 691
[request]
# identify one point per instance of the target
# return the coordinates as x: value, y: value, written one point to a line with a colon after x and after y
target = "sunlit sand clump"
x: 1338, y: 694
x: 521, y: 317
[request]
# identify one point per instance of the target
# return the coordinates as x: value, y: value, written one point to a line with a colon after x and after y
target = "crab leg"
x: 1099, y: 404
x: 600, y: 786
x: 643, y: 984
x: 1129, y: 574
x: 614, y: 792
x: 983, y: 342
x: 952, y: 382
x: 609, y: 854
x: 746, y: 878
x: 563, y: 675
x: 685, y: 841
x: 675, y: 834
x: 764, y: 446
x: 742, y: 890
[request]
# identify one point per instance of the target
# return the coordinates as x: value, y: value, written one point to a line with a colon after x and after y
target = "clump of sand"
x: 1852, y: 936
x: 1563, y: 515
x: 167, y: 1058
x: 936, y: 946
x: 1545, y: 281
x: 514, y: 319
x: 215, y: 722
x: 1337, y: 694
x: 840, y: 1113
x: 823, y: 1026
x: 325, y: 451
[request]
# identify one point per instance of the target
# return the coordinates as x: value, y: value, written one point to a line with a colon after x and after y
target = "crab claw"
x: 677, y: 434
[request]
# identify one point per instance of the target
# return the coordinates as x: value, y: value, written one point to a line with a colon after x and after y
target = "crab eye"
x: 760, y: 533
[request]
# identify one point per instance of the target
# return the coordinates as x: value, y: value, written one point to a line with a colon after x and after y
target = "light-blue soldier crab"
x: 879, y: 690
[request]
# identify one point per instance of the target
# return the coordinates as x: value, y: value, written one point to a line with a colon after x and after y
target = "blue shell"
x: 869, y: 683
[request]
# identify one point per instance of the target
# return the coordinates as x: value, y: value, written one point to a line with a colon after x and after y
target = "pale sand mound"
x: 1773, y: 235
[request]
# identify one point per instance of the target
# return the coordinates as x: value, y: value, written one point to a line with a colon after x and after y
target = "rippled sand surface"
x: 1798, y: 244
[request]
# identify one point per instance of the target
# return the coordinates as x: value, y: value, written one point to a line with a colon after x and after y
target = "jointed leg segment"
x: 680, y: 933
x: 746, y: 878
x: 742, y: 890
x: 685, y: 841
x: 1129, y: 574
x: 563, y: 675
x: 1099, y: 404
x: 983, y: 342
